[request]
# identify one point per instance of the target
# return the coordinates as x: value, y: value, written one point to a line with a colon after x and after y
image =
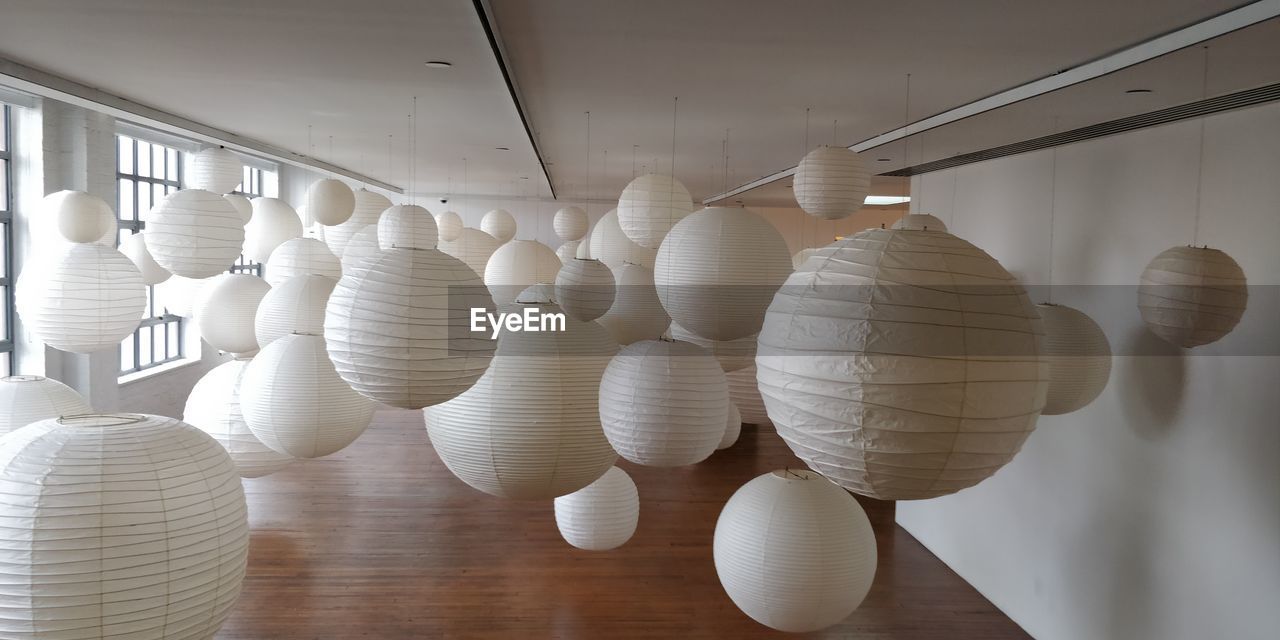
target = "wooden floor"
x: 381, y: 541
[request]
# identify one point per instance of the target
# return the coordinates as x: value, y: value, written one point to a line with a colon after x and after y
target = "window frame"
x: 252, y: 176
x: 6, y: 236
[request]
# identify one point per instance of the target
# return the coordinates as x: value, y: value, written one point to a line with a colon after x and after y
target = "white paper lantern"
x: 1079, y: 358
x: 610, y: 246
x: 474, y: 248
x: 1191, y: 296
x: 273, y: 222
x: 571, y: 223
x: 794, y: 552
x: 732, y: 429
x: 301, y: 256
x: 399, y: 329
x: 664, y: 403
x: 225, y: 311
x: 294, y: 306
x: 717, y: 272
x: 744, y: 393
x: 242, y: 206
x: 636, y: 314
x: 79, y: 217
x: 82, y: 298
x: 585, y: 289
x: 194, y: 233
x: 500, y: 224
x: 919, y: 222
x: 363, y: 244
x: 125, y: 526
x: 215, y: 169
x: 601, y: 516
x: 330, y: 202
x: 567, y: 251
x: 407, y: 226
x: 214, y: 408
x: 449, y: 226
x: 905, y: 365
x: 295, y: 403
x: 368, y: 209
x: 530, y: 427
x: 27, y: 399
x: 831, y: 183
x: 135, y: 249
x: 650, y: 206
x: 516, y: 265
x: 732, y: 354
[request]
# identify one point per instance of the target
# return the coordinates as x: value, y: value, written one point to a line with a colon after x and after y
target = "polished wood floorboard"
x: 381, y: 541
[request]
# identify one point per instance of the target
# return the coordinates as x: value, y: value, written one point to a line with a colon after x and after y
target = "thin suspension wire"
x: 806, y: 132
x: 1204, y: 93
x: 835, y: 128
x: 1053, y: 206
x: 587, y: 195
x: 675, y: 109
x: 724, y: 149
x: 906, y: 121
x: 465, y: 200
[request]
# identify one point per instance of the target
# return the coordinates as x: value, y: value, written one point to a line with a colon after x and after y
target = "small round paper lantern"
x: 717, y: 272
x: 215, y: 169
x: 135, y: 249
x: 1192, y: 296
x: 194, y: 233
x: 407, y: 226
x: 636, y: 314
x: 530, y: 427
x: 732, y: 429
x: 744, y: 393
x: 399, y: 328
x: 474, y: 248
x: 904, y: 365
x: 919, y: 222
x: 295, y: 403
x: 242, y: 206
x: 601, y: 516
x: 567, y: 251
x: 610, y: 246
x: 732, y: 354
x: 368, y: 209
x: 585, y: 289
x: 794, y: 552
x: 225, y: 311
x: 80, y: 217
x: 294, y: 306
x: 449, y: 226
x: 330, y: 202
x: 363, y: 244
x: 27, y: 399
x: 571, y: 223
x: 516, y: 265
x: 273, y: 222
x: 499, y: 224
x: 214, y: 408
x: 120, y: 526
x: 82, y: 299
x: 300, y: 256
x: 831, y: 183
x: 664, y: 403
x: 1079, y: 358
x: 650, y: 206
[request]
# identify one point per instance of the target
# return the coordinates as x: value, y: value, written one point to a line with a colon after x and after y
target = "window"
x: 6, y: 244
x: 257, y: 182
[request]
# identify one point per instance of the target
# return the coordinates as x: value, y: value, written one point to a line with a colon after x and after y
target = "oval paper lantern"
x: 919, y: 222
x: 732, y: 354
x: 571, y: 223
x: 214, y: 408
x: 831, y: 183
x: 81, y: 299
x: 516, y: 265
x: 601, y: 516
x: 135, y: 249
x: 649, y: 206
x: 407, y: 226
x: 500, y: 224
x: 905, y: 365
x: 399, y: 329
x: 567, y: 251
x: 80, y: 217
x: 27, y: 399
x: 744, y: 393
x: 1192, y: 296
x: 295, y: 306
x: 215, y: 169
x: 449, y: 226
x: 120, y: 526
x: 585, y: 289
x: 610, y: 246
x: 732, y: 429
x: 363, y: 244
x: 368, y: 208
x: 300, y: 256
x: 1079, y: 358
x: 530, y: 427
x: 717, y: 272
x: 664, y: 403
x: 242, y: 206
x: 273, y: 222
x: 295, y: 403
x: 225, y: 311
x: 474, y: 248
x: 794, y: 552
x: 636, y: 314
x: 330, y: 202
x: 194, y: 233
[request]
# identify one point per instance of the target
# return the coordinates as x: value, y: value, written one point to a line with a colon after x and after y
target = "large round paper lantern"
x: 27, y: 399
x: 568, y: 250
x: 919, y: 222
x: 744, y: 393
x: 904, y: 365
x: 794, y: 552
x: 474, y: 248
x: 664, y: 403
x: 732, y: 354
x: 449, y: 226
x: 295, y: 403
x: 636, y: 314
x: 135, y: 249
x: 500, y: 224
x: 273, y: 222
x: 194, y: 233
x: 717, y: 272
x: 570, y: 223
x: 1079, y: 358
x: 585, y: 289
x: 601, y: 516
x: 831, y: 183
x: 225, y: 311
x: 300, y: 256
x: 530, y: 427
x: 242, y: 206
x: 649, y: 206
x: 516, y: 265
x: 119, y: 526
x: 79, y: 217
x: 363, y: 244
x: 294, y: 306
x: 215, y: 169
x: 407, y: 226
x: 330, y: 202
x: 214, y: 408
x: 368, y: 208
x: 399, y: 329
x: 610, y: 246
x: 732, y: 429
x: 81, y: 299
x: 1191, y: 296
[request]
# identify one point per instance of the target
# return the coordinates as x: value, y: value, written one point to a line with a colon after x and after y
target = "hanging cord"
x: 835, y: 128
x: 955, y: 183
x: 1053, y: 206
x: 1204, y: 93
x: 464, y: 187
x: 586, y: 196
x: 331, y: 152
x: 806, y: 133
x: 634, y: 148
x: 675, y: 109
x: 389, y: 157
x: 906, y: 122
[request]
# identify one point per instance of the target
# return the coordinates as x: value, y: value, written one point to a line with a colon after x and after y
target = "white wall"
x: 1154, y: 513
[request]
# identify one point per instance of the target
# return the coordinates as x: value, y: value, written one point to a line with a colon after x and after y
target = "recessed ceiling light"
x: 883, y: 160
x: 524, y: 177
x: 503, y: 148
x: 439, y: 64
x: 1138, y: 91
x: 886, y: 200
